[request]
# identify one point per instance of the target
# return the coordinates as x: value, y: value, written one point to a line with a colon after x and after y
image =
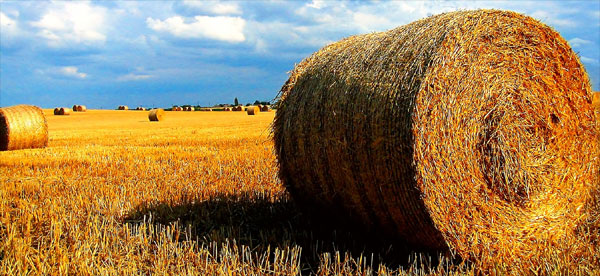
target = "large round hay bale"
x: 156, y: 115
x: 470, y: 130
x: 64, y: 111
x: 22, y: 127
x: 252, y: 110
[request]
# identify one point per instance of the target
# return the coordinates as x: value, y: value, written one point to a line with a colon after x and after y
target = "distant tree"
x: 235, y: 102
x: 265, y: 103
x: 248, y: 104
x: 257, y: 102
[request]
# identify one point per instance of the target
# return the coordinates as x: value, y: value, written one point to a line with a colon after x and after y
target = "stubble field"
x: 195, y: 194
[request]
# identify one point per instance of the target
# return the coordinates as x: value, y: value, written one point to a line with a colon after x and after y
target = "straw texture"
x: 252, y: 110
x: 22, y: 127
x: 156, y: 115
x: 468, y: 131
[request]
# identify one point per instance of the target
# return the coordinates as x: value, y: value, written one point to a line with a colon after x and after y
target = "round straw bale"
x: 156, y: 114
x: 265, y: 108
x: 252, y: 110
x: 57, y: 111
x: 81, y: 108
x: 75, y: 108
x: 467, y: 130
x: 64, y: 111
x: 226, y: 109
x: 22, y: 127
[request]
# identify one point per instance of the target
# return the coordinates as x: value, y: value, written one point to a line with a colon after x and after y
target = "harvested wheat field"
x: 196, y: 194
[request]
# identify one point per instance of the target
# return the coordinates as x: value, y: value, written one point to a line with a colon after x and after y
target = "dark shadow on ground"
x: 260, y: 223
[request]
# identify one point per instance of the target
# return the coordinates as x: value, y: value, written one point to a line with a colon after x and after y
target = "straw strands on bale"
x: 123, y: 107
x: 468, y: 130
x: 156, y: 115
x: 79, y: 108
x: 22, y: 127
x: 252, y: 110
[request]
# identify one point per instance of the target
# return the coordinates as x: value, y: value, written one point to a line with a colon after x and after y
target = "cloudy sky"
x: 161, y: 53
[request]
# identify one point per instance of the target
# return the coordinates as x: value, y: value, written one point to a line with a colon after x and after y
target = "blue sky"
x: 160, y: 53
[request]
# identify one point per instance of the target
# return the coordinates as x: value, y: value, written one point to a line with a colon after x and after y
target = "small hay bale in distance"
x: 123, y: 107
x: 64, y: 111
x: 226, y: 109
x: 237, y: 108
x: 22, y: 127
x: 411, y: 133
x: 156, y: 114
x: 140, y: 108
x: 189, y: 108
x: 265, y: 108
x: 57, y: 111
x: 177, y: 108
x: 252, y: 110
x: 79, y: 108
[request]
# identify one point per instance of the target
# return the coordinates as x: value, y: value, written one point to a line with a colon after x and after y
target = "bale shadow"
x: 263, y: 223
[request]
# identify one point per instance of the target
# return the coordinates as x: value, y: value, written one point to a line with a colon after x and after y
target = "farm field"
x: 195, y: 194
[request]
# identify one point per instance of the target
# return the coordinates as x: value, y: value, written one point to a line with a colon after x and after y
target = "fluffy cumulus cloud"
x: 223, y: 28
x: 68, y: 23
x: 214, y: 7
x: 134, y: 77
x: 71, y: 71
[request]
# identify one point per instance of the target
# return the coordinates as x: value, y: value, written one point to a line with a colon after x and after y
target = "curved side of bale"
x: 412, y: 133
x: 64, y: 111
x: 22, y: 127
x: 156, y: 115
x: 596, y: 100
x: 252, y: 110
x: 56, y: 111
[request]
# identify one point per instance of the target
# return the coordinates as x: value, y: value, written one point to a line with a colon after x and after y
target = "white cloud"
x: 134, y: 77
x: 551, y: 19
x: 224, y: 28
x: 71, y: 71
x: 214, y: 7
x: 65, y: 23
x: 578, y: 42
x: 316, y: 4
x: 589, y: 60
x: 9, y: 29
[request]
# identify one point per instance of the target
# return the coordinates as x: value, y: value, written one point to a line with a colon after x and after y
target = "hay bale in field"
x: 56, y: 111
x: 265, y: 108
x: 22, y: 127
x: 156, y: 114
x: 79, y: 108
x: 64, y: 111
x: 123, y: 107
x: 226, y: 109
x: 177, y: 108
x: 252, y: 110
x: 189, y: 108
x: 237, y: 108
x: 445, y: 132
x: 140, y: 108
